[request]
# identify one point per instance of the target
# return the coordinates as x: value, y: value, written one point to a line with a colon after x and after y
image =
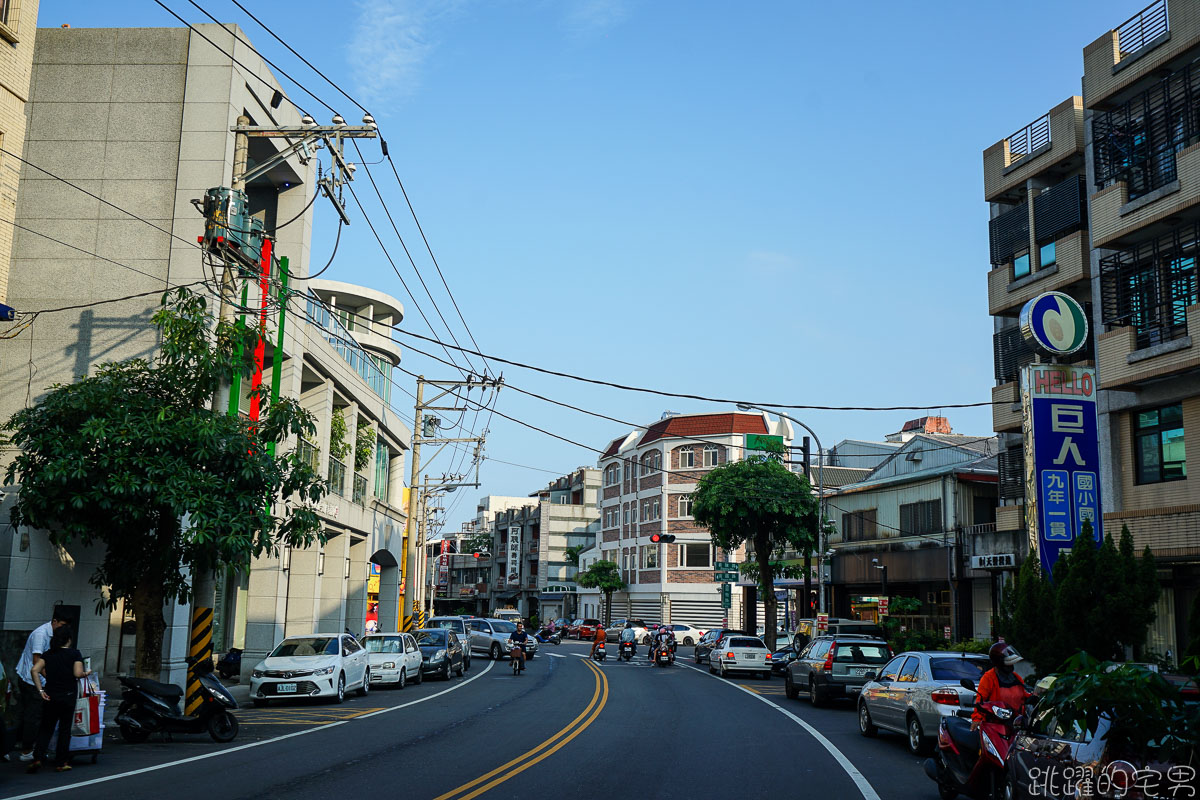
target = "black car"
x: 441, y: 652
x: 781, y: 658
x: 710, y: 640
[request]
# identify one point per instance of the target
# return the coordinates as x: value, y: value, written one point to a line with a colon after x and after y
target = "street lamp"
x: 820, y: 498
x: 875, y: 562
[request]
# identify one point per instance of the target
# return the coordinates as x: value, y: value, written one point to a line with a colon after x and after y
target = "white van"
x: 508, y: 615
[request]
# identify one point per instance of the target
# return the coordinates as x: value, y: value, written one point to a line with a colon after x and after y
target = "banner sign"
x: 514, y: 556
x: 1062, y: 457
x: 444, y: 564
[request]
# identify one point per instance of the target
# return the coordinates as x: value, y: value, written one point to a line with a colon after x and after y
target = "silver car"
x: 913, y: 691
x: 490, y: 637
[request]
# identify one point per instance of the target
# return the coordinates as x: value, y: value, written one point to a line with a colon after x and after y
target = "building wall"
x: 16, y: 67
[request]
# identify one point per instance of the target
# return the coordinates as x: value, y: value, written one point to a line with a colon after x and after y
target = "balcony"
x: 1003, y: 417
x: 1124, y: 362
x: 337, y: 477
x: 360, y: 489
x: 1071, y: 266
x: 1009, y: 234
x: 1010, y: 162
x: 1136, y: 48
x: 1060, y: 210
x: 1171, y: 534
x: 1010, y: 353
x: 309, y: 455
x: 1010, y: 464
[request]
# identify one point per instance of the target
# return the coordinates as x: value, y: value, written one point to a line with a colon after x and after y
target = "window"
x: 1046, y: 255
x: 383, y: 471
x: 633, y: 511
x: 1158, y: 444
x: 625, y: 560
x: 698, y: 554
x: 650, y: 557
x: 908, y: 674
x: 858, y: 526
x: 656, y: 461
x: 955, y: 669
x: 655, y: 509
x: 1021, y: 266
x: 610, y: 474
x: 917, y: 519
x: 626, y: 513
x: 685, y: 505
x: 890, y: 672
x: 687, y: 457
x: 646, y: 509
x: 647, y: 461
x: 710, y: 455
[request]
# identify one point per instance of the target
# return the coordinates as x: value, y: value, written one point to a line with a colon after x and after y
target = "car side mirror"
x: 871, y: 676
x: 967, y: 684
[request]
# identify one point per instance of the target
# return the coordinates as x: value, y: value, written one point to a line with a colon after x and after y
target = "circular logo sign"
x: 1055, y: 323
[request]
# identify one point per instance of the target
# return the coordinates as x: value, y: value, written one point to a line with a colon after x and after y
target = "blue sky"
x: 776, y: 201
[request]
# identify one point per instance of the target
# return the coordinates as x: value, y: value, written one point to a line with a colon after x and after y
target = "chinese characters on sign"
x: 1062, y: 460
x: 444, y: 564
x: 514, y: 556
x: 1000, y: 561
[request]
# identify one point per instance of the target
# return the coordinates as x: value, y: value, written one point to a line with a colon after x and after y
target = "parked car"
x: 740, y: 654
x: 587, y: 629
x: 561, y: 624
x: 489, y: 637
x: 320, y: 665
x: 781, y: 658
x: 912, y: 692
x: 441, y: 652
x: 685, y: 634
x: 831, y: 666
x: 573, y: 628
x: 807, y: 628
x: 613, y: 632
x: 394, y: 658
x: 706, y: 643
x: 460, y: 627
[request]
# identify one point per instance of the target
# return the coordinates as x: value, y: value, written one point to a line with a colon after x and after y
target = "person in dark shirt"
x: 56, y: 676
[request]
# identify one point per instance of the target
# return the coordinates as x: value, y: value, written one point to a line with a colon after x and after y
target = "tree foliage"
x: 364, y: 444
x: 572, y: 554
x: 605, y: 576
x: 759, y: 502
x: 132, y: 459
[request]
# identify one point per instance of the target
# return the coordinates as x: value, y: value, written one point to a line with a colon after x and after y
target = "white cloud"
x: 590, y: 17
x: 392, y: 40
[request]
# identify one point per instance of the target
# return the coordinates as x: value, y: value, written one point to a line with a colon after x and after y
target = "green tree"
x: 480, y: 542
x: 573, y: 552
x: 1190, y: 660
x: 759, y: 502
x: 364, y: 444
x: 339, y: 448
x: 605, y: 576
x: 131, y: 458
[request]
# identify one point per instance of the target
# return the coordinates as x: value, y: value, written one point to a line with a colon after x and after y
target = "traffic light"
x: 479, y: 555
x: 664, y: 538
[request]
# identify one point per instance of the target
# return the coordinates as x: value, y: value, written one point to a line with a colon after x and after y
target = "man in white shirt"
x: 31, y: 699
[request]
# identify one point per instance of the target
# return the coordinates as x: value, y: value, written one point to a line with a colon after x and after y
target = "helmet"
x: 1003, y: 655
x: 628, y: 624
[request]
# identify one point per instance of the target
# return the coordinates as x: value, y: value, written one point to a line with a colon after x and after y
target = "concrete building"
x: 532, y: 572
x: 922, y: 513
x: 18, y: 31
x: 648, y: 475
x: 141, y: 118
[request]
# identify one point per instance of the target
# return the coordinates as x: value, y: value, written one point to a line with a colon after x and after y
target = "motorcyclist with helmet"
x: 1001, y: 683
x: 629, y: 636
x: 664, y: 638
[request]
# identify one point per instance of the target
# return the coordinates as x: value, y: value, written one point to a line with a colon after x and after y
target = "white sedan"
x: 740, y: 654
x: 686, y: 635
x: 394, y: 658
x: 320, y: 665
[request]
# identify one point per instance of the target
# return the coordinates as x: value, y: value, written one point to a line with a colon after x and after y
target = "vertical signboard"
x: 1062, y: 457
x: 444, y: 564
x: 514, y: 556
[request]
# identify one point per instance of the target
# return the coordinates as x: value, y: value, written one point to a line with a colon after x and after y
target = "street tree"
x: 605, y: 576
x: 132, y: 459
x: 572, y: 554
x: 759, y: 502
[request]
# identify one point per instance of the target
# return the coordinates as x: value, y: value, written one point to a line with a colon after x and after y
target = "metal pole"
x: 241, y: 149
x: 277, y: 356
x: 408, y: 563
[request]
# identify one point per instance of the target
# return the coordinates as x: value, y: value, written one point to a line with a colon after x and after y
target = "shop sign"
x: 514, y: 556
x: 1000, y: 561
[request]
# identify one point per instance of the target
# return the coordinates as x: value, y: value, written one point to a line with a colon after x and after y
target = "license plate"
x: 285, y: 688
x: 862, y: 671
x: 749, y: 656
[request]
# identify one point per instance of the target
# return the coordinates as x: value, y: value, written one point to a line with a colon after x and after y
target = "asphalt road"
x: 566, y: 727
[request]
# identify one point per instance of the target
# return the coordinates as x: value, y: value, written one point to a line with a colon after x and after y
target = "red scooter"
x: 972, y: 763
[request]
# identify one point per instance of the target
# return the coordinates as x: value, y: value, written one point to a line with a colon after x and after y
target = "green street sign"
x: 726, y: 596
x: 725, y: 565
x: 731, y: 577
x: 758, y: 441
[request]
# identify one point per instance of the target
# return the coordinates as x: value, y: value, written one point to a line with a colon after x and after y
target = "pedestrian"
x: 57, y: 676
x: 31, y: 700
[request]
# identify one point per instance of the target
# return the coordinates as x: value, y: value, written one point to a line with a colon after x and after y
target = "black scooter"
x: 628, y: 650
x: 547, y: 636
x: 149, y: 706
x: 230, y: 664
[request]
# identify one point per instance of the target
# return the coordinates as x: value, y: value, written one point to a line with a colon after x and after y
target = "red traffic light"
x: 665, y: 538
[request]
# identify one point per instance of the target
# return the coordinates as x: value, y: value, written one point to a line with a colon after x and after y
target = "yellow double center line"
x: 544, y: 750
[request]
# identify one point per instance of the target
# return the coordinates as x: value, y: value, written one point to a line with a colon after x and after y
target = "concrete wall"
x: 17, y: 38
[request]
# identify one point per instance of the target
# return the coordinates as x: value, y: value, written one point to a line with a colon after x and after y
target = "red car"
x: 572, y: 629
x: 586, y: 630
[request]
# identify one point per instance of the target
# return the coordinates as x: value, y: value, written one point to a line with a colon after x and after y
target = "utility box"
x: 229, y: 231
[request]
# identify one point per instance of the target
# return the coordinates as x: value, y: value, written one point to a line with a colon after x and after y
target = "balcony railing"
x: 1060, y: 210
x: 1010, y: 352
x: 1011, y: 466
x: 1142, y: 28
x: 1136, y: 142
x: 309, y: 455
x: 1034, y: 135
x: 1009, y: 234
x: 333, y: 331
x: 976, y: 530
x: 337, y: 477
x: 360, y: 488
x: 1150, y: 286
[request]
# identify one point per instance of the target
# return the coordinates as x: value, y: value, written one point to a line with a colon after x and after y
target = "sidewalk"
x: 112, y: 686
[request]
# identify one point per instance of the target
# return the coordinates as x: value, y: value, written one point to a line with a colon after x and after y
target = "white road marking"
x: 555, y: 655
x: 292, y: 735
x: 860, y: 780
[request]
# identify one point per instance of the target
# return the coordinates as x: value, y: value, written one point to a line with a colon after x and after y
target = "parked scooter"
x: 628, y: 651
x: 230, y: 665
x: 599, y: 654
x: 548, y: 635
x: 973, y: 763
x: 149, y: 706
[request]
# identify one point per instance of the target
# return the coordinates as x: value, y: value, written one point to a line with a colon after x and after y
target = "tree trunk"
x: 608, y: 607
x: 147, y: 603
x: 762, y: 554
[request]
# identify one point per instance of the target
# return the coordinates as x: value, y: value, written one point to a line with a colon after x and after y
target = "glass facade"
x: 383, y: 475
x: 371, y: 368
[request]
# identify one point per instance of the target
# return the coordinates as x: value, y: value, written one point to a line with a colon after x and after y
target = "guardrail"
x: 1034, y: 135
x: 1142, y: 28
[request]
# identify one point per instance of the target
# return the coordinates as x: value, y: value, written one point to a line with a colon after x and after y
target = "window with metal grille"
x: 1151, y: 286
x: 1137, y: 141
x: 858, y: 526
x: 1011, y: 466
x: 917, y: 519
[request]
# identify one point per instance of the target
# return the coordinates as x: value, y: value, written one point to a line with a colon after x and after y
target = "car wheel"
x: 403, y: 676
x: 495, y: 652
x: 466, y: 664
x: 446, y: 672
x: 865, y: 726
x: 366, y: 684
x: 458, y: 672
x: 815, y: 695
x: 789, y: 688
x: 696, y: 656
x: 917, y: 744
x: 223, y: 727
x: 420, y: 676
x: 341, y: 688
x: 687, y: 641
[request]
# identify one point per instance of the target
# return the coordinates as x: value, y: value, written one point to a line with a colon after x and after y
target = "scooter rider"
x: 629, y: 636
x: 1001, y: 683
x: 663, y: 639
x: 518, y: 639
x: 599, y: 638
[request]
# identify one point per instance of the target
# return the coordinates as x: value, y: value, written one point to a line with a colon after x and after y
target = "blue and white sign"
x: 1062, y: 457
x: 1054, y: 323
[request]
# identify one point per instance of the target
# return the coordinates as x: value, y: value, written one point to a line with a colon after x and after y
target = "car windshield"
x: 591, y: 622
x: 740, y: 642
x: 308, y: 646
x: 448, y: 624
x: 503, y: 627
x: 431, y: 638
x: 384, y: 644
x: 955, y: 669
x: 856, y: 653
